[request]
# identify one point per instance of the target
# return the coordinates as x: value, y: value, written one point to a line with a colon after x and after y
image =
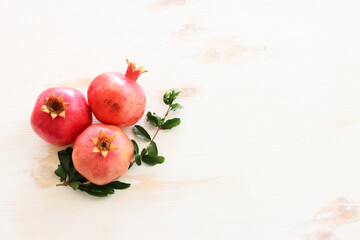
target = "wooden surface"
x: 268, y: 147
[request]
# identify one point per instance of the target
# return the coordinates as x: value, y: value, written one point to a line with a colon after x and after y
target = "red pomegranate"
x: 102, y: 153
x: 60, y: 115
x: 116, y: 98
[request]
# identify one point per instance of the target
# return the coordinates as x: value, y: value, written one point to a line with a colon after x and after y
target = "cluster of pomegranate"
x: 102, y: 152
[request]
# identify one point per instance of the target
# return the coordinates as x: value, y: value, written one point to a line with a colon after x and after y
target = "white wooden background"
x: 268, y: 147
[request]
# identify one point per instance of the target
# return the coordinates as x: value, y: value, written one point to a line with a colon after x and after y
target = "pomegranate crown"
x: 132, y: 72
x: 55, y: 106
x: 103, y: 144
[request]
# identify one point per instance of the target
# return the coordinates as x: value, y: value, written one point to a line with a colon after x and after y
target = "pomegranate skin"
x: 114, y: 99
x: 61, y: 131
x: 92, y: 165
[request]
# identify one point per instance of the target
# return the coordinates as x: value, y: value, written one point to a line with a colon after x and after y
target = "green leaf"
x: 78, y: 177
x: 153, y: 160
x: 176, y: 106
x: 75, y: 185
x: 153, y: 119
x: 171, y: 123
x: 166, y: 97
x: 143, y: 152
x: 97, y: 190
x: 152, y: 149
x: 138, y: 160
x: 83, y: 180
x: 173, y: 96
x: 136, y: 147
x: 93, y: 192
x: 61, y: 173
x: 101, y: 188
x: 71, y: 173
x: 65, y: 158
x: 108, y: 190
x: 141, y: 133
x: 118, y: 185
x: 131, y: 163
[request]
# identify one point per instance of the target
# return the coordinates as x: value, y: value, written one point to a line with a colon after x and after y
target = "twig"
x: 159, y: 128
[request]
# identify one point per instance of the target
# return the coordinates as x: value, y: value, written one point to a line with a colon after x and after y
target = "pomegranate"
x: 60, y: 115
x: 116, y: 98
x: 102, y: 153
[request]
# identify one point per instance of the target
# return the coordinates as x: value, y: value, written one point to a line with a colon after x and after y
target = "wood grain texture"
x: 268, y: 147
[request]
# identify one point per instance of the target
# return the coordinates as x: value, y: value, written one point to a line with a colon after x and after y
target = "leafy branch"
x: 149, y: 155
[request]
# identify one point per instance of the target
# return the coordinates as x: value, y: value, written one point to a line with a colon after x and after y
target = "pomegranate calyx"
x: 132, y: 72
x: 103, y: 144
x: 55, y: 106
